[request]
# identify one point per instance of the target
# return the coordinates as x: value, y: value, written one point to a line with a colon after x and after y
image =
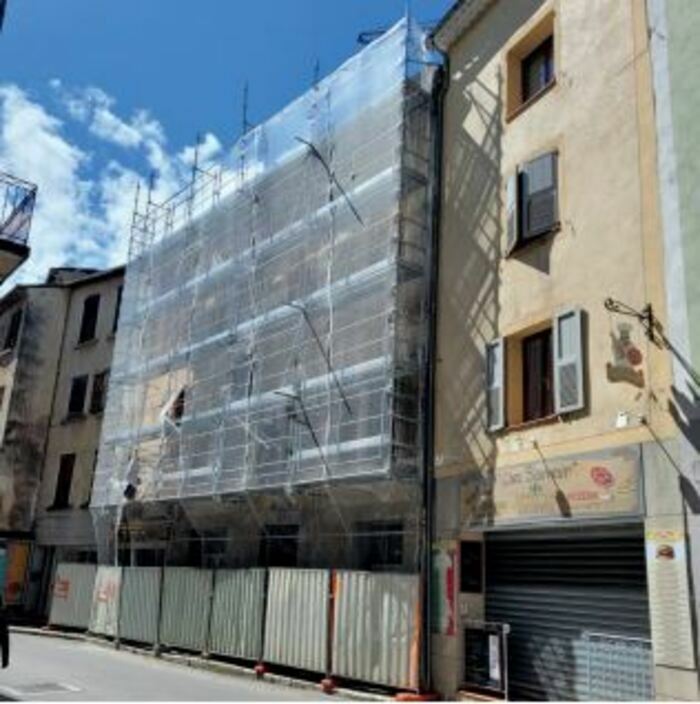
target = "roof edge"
x: 457, y: 20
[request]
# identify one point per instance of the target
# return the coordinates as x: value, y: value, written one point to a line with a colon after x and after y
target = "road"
x: 55, y: 669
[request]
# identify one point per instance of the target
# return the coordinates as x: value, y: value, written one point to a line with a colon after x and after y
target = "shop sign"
x: 667, y: 577
x: 590, y: 486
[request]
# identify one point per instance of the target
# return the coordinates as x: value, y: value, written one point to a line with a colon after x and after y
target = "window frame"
x: 81, y: 378
x: 63, y: 486
x: 13, y: 329
x: 101, y: 378
x: 546, y: 375
x: 519, y: 197
x: 544, y: 49
x: 568, y: 370
x: 88, y: 322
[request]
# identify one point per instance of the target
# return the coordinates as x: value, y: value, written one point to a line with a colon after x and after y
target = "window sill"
x: 532, y: 242
x: 525, y: 425
x: 86, y: 343
x: 73, y: 417
x: 53, y: 508
x: 530, y: 101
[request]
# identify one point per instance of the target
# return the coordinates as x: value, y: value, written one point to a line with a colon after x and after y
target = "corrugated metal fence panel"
x: 104, y: 617
x: 376, y: 628
x: 71, y: 601
x: 139, y: 604
x: 237, y: 613
x: 552, y: 588
x: 296, y: 622
x: 186, y: 605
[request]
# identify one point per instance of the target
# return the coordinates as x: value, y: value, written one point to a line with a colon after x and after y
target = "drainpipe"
x: 439, y: 92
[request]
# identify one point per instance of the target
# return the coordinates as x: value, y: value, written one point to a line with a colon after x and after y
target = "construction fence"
x: 360, y: 626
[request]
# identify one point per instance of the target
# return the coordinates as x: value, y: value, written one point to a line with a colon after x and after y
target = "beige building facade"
x: 64, y: 528
x: 561, y: 512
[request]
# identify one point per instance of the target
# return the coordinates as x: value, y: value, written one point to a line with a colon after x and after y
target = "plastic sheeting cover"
x: 284, y: 298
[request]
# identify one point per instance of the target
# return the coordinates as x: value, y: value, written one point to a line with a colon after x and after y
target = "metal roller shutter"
x: 557, y: 587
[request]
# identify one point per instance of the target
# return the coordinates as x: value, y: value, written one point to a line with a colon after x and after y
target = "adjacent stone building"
x: 57, y: 342
x: 64, y: 529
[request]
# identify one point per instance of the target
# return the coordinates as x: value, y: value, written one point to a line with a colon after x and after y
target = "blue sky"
x: 97, y: 93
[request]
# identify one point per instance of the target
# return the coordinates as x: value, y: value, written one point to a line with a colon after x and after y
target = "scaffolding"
x: 270, y: 357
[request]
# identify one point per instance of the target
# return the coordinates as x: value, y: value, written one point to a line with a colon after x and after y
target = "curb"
x: 201, y: 663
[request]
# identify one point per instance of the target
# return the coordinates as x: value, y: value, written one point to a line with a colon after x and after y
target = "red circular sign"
x: 602, y: 476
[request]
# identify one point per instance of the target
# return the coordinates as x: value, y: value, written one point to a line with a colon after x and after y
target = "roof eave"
x: 458, y: 19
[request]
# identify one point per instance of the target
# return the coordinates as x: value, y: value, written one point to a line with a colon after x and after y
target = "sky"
x: 97, y: 94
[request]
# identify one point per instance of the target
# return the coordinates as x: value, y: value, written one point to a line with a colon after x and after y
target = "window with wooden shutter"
x: 538, y: 196
x: 568, y: 362
x: 495, y: 397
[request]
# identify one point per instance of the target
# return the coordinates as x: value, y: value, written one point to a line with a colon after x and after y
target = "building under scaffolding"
x: 268, y: 385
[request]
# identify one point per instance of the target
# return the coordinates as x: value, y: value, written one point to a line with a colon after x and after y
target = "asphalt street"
x: 47, y: 668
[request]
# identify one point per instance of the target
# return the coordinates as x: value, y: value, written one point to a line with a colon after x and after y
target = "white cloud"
x: 84, y: 207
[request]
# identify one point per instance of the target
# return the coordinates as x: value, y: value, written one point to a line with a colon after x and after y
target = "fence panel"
x: 184, y: 621
x: 104, y: 618
x: 377, y: 627
x: 237, y: 613
x: 296, y: 621
x: 139, y: 604
x: 71, y: 600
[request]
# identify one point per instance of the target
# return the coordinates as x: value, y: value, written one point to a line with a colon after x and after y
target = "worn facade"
x: 557, y: 437
x: 63, y: 522
x: 48, y: 341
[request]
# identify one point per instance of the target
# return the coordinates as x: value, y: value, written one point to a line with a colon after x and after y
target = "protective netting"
x: 270, y: 360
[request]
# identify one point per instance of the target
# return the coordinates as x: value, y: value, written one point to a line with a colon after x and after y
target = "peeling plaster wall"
x: 79, y: 436
x: 30, y: 374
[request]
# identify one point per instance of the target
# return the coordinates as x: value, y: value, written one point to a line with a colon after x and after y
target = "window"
x: 537, y: 373
x: 530, y: 66
x: 176, y: 409
x: 86, y: 503
x: 64, y: 482
x: 538, y: 391
x: 532, y: 203
x: 88, y: 324
x: 537, y: 70
x: 13, y: 330
x: 279, y: 546
x: 78, y: 391
x: 2, y: 396
x: 117, y: 309
x: 379, y: 544
x: 99, y: 392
